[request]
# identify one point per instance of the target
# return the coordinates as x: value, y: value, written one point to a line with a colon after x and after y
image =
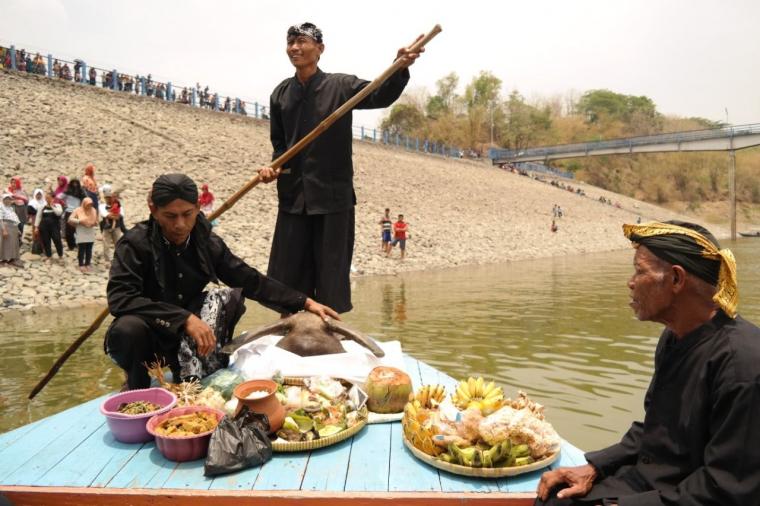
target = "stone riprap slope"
x: 459, y: 212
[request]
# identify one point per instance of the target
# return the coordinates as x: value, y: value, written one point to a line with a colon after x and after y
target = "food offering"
x: 183, y: 433
x: 477, y: 431
x: 189, y: 393
x: 127, y: 412
x: 387, y: 390
x: 187, y: 425
x: 137, y: 408
x: 319, y: 411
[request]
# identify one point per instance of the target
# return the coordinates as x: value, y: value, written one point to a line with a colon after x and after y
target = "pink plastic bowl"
x: 183, y: 448
x: 131, y: 428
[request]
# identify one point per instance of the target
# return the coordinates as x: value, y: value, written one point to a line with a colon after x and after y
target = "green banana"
x: 524, y: 461
x: 472, y: 456
x: 446, y: 457
x: 518, y: 451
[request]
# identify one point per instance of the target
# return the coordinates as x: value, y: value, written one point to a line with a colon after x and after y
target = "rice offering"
x: 187, y: 425
x: 257, y: 394
x: 137, y: 407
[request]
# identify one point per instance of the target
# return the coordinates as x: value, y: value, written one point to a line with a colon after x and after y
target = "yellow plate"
x: 481, y: 472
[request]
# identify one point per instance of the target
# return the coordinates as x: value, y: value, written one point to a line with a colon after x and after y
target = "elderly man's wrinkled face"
x: 177, y: 219
x: 651, y: 297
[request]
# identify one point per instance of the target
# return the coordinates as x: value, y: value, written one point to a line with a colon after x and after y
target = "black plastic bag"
x: 238, y: 443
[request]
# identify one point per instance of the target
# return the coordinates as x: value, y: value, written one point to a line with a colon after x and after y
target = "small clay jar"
x: 268, y: 405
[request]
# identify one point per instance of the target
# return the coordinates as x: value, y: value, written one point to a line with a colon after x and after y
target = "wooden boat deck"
x: 71, y: 458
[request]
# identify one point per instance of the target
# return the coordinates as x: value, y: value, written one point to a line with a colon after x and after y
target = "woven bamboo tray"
x: 480, y: 472
x: 300, y: 446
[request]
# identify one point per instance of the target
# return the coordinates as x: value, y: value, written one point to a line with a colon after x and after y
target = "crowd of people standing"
x: 72, y: 213
x: 140, y: 85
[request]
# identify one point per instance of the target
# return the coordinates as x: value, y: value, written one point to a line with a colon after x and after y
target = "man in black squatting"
x: 156, y: 289
x: 698, y: 443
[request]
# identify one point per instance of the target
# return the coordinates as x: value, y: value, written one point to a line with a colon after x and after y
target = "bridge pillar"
x: 732, y: 191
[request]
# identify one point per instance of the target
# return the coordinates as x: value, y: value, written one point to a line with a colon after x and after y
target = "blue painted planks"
x: 370, y: 459
x: 413, y: 370
x: 188, y: 475
x: 22, y: 462
x: 327, y: 467
x: 284, y: 472
x: 407, y: 473
x: 74, y: 448
x: 242, y: 480
x: 81, y: 466
x: 11, y: 437
x: 146, y: 469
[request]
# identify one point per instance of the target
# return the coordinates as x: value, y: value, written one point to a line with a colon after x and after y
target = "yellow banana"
x: 479, y: 387
x: 471, y: 387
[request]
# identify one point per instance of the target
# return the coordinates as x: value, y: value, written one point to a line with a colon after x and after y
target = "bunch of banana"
x: 429, y: 396
x: 502, y: 454
x: 476, y: 393
x: 416, y: 421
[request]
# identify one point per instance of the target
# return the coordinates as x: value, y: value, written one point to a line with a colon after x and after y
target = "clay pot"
x: 268, y: 405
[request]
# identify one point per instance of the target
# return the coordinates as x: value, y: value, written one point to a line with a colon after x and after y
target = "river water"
x: 558, y: 328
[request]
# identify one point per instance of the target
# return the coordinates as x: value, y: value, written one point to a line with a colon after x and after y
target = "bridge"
x: 728, y: 138
x: 715, y: 139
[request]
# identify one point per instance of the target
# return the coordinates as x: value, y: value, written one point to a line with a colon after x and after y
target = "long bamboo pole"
x: 252, y: 183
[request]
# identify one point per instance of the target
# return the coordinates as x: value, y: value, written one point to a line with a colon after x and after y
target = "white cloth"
x: 262, y: 359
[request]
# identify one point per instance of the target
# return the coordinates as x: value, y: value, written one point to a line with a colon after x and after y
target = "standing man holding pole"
x: 314, y: 235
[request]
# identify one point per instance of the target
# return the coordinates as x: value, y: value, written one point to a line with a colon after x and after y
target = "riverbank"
x: 459, y: 212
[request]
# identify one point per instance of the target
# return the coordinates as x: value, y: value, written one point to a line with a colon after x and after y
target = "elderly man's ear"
x: 679, y: 278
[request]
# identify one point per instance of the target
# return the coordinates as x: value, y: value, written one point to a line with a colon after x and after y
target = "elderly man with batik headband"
x: 157, y: 289
x: 698, y: 443
x: 313, y: 240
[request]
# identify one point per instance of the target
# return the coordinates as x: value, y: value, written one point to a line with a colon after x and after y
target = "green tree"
x: 637, y: 113
x: 405, y: 119
x: 442, y: 103
x: 524, y: 124
x: 483, y: 90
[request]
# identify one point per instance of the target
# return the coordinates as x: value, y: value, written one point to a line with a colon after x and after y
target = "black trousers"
x: 132, y: 343
x: 69, y: 231
x: 50, y: 231
x: 84, y: 255
x: 312, y: 254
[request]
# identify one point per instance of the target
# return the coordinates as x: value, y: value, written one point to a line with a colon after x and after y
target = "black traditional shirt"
x: 699, y: 443
x: 158, y: 281
x: 319, y: 180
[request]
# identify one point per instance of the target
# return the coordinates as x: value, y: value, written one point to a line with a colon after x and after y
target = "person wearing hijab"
x: 9, y: 233
x: 156, y: 285
x: 85, y: 218
x: 36, y: 205
x: 90, y: 185
x: 20, y: 201
x: 697, y: 443
x: 63, y: 183
x: 72, y: 198
x: 47, y: 225
x: 313, y: 239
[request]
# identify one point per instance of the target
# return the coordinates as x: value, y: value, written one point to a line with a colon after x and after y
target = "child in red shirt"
x: 400, y: 235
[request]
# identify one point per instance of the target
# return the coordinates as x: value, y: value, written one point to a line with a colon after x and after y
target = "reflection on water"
x: 558, y: 328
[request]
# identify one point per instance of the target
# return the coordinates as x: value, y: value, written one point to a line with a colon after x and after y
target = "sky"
x: 693, y: 58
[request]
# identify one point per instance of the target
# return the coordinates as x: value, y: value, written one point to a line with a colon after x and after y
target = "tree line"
x: 482, y: 117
